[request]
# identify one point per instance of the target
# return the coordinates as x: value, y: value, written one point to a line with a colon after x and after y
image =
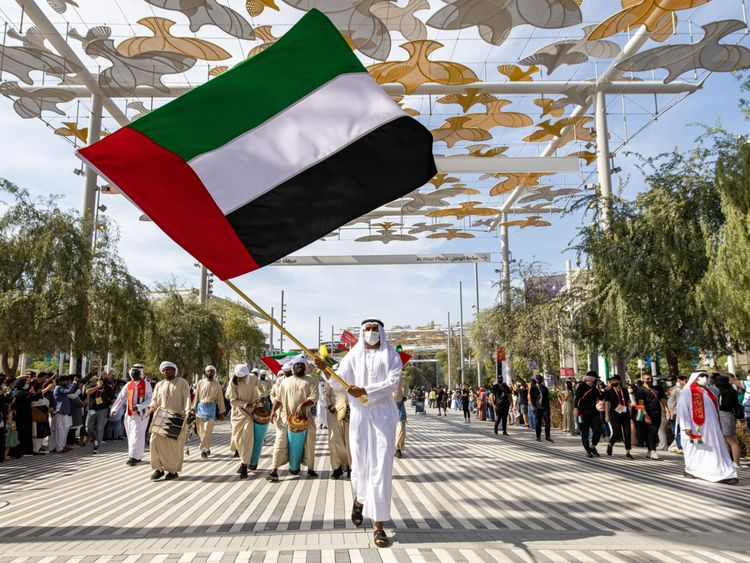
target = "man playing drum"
x: 172, y: 394
x: 294, y: 396
x: 208, y: 397
x: 244, y: 396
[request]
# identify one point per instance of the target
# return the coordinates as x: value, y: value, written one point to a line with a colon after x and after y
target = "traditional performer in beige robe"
x: 208, y: 397
x: 338, y: 429
x: 244, y: 396
x: 265, y: 385
x: 294, y: 394
x: 171, y: 394
x: 400, y: 397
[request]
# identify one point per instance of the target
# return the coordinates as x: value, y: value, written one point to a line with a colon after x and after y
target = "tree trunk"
x: 10, y: 368
x: 673, y: 364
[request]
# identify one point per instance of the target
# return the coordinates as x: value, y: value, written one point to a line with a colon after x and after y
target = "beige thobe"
x: 291, y: 392
x: 399, y: 396
x: 338, y: 428
x: 167, y: 453
x: 207, y: 391
x: 242, y: 396
x: 265, y: 387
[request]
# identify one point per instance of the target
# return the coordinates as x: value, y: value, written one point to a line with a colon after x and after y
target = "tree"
x: 242, y: 340
x: 530, y: 325
x: 43, y: 266
x: 119, y: 312
x: 184, y: 332
x: 726, y: 287
x: 644, y: 271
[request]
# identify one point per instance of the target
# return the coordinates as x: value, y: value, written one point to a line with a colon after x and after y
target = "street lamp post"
x: 461, y: 333
x: 476, y: 320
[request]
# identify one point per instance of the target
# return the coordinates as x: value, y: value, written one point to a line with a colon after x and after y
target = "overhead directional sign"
x: 375, y: 259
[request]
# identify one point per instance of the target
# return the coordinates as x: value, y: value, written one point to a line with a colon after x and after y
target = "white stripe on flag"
x: 316, y: 127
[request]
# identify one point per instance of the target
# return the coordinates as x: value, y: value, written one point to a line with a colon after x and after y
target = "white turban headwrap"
x: 167, y: 365
x: 298, y: 360
x: 241, y: 370
x: 205, y: 369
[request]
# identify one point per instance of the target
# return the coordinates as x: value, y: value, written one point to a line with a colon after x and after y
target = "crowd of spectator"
x: 638, y: 412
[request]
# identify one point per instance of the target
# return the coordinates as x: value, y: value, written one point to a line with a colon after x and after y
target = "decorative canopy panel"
x: 491, y: 79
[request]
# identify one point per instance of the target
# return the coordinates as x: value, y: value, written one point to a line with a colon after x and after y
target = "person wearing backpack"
x: 539, y: 402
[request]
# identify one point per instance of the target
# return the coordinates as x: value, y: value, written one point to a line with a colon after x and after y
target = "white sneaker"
x: 654, y: 455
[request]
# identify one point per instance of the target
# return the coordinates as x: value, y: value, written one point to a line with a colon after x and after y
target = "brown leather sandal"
x: 357, y: 517
x: 381, y: 540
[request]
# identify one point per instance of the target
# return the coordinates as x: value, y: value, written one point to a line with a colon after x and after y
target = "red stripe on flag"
x: 404, y: 358
x: 172, y: 195
x: 271, y: 364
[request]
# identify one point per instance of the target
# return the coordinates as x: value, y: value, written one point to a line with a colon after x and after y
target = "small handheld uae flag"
x: 269, y: 156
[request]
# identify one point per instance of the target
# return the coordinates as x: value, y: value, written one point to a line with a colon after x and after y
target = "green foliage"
x: 43, y: 266
x: 529, y: 327
x: 644, y: 272
x: 184, y: 332
x: 242, y: 340
x: 726, y: 288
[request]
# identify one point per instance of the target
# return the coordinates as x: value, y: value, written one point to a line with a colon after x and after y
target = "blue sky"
x: 31, y: 156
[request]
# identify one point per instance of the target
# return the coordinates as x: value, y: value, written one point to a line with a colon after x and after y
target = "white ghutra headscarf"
x: 354, y: 361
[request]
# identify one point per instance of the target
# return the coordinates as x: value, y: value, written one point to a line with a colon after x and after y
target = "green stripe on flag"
x: 308, y: 56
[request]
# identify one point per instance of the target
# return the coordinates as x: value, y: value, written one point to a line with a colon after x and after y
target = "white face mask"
x: 702, y: 380
x: 372, y: 337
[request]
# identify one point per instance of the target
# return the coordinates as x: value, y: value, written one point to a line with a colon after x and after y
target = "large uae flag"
x: 269, y: 156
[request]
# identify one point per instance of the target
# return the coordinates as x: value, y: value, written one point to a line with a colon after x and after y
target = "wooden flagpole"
x: 289, y: 335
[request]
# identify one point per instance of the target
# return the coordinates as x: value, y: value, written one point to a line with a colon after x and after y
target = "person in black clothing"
x: 441, y: 401
x: 729, y: 407
x: 617, y: 414
x: 101, y: 396
x: 523, y: 404
x: 652, y: 397
x: 584, y: 408
x: 4, y: 407
x: 465, y: 404
x: 539, y: 395
x: 23, y: 395
x: 500, y: 396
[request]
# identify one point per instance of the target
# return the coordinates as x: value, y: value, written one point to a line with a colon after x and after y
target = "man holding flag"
x: 320, y: 139
x: 372, y: 370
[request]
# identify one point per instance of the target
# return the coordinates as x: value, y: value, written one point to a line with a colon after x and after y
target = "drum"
x: 296, y: 434
x: 167, y: 423
x: 261, y: 418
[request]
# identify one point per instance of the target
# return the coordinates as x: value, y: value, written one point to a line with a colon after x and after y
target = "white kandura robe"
x: 372, y: 425
x: 167, y: 453
x: 710, y: 460
x: 135, y: 423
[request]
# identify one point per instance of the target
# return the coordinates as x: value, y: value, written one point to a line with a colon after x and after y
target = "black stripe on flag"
x: 384, y: 165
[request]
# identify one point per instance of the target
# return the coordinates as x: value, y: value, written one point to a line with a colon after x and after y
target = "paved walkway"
x: 460, y: 494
